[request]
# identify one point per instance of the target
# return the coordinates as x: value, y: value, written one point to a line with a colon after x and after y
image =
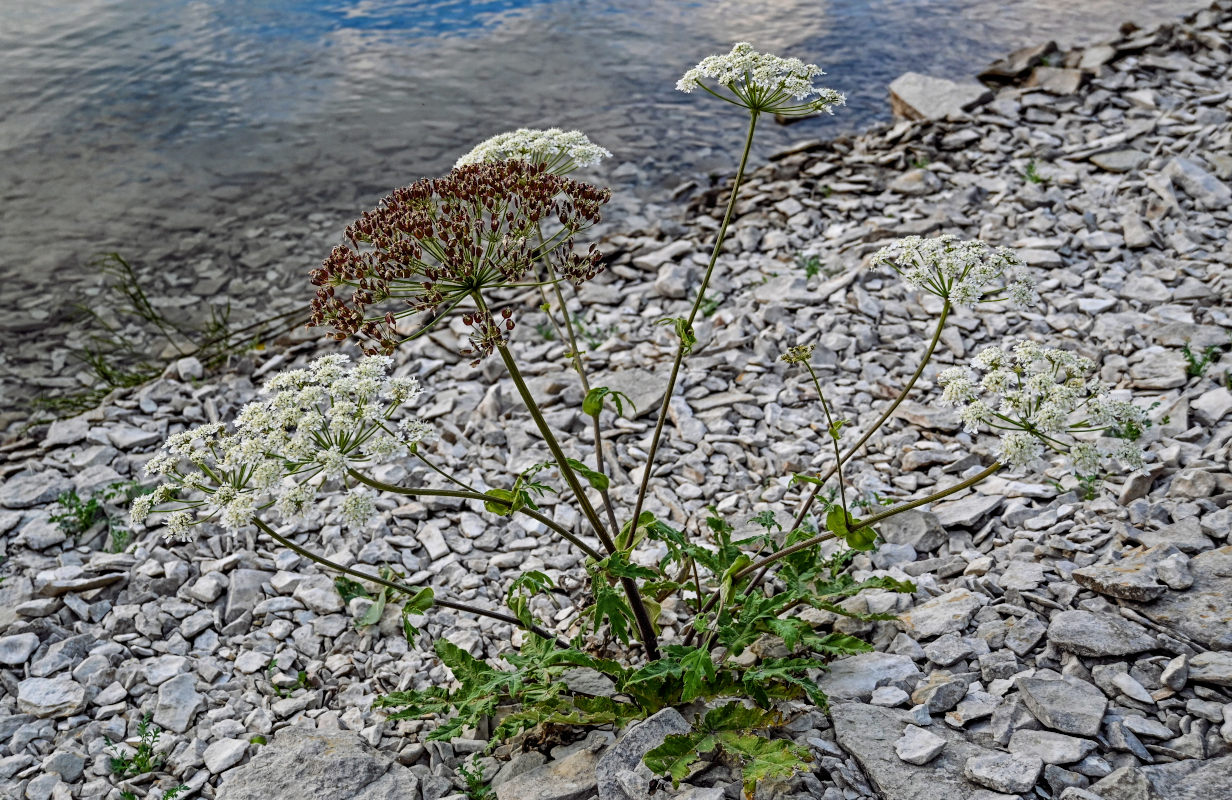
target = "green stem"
x: 701, y: 294
x: 416, y: 491
x: 833, y: 433
x: 873, y: 520
x: 408, y: 590
x: 885, y: 415
x: 644, y: 624
x: 760, y: 567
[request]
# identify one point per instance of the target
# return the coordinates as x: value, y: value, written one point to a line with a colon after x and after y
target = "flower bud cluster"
x: 560, y: 151
x: 762, y: 82
x: 311, y: 426
x: 962, y: 272
x: 436, y: 243
x: 1040, y: 399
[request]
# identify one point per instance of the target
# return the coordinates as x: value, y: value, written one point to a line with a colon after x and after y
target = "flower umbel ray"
x: 431, y: 245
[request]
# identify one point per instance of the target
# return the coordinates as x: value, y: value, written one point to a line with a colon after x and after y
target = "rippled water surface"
x: 161, y: 128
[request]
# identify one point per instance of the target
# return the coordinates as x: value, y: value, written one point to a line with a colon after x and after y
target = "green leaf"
x: 837, y: 521
x: 835, y: 427
x: 766, y: 520
x: 677, y: 754
x: 618, y: 565
x: 765, y: 759
x: 735, y: 716
x: 612, y: 606
x: 796, y: 477
x: 421, y: 601
x: 593, y: 404
x: 527, y: 585
x: 597, y: 480
x: 698, y: 670
x: 503, y: 509
x: 349, y: 589
x: 683, y: 332
x: 373, y: 615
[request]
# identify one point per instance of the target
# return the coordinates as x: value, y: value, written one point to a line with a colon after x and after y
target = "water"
x: 196, y: 138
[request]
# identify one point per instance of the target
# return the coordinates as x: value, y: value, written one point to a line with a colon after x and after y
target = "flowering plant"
x: 670, y: 616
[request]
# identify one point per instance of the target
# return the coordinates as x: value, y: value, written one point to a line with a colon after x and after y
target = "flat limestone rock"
x: 303, y: 763
x: 1087, y: 633
x: 1134, y: 577
x: 871, y: 733
x: 916, y: 96
x: 1200, y: 612
x: 948, y: 613
x: 855, y: 677
x: 1065, y: 705
x: 1191, y: 779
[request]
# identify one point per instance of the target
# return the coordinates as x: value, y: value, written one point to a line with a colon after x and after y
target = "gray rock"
x: 65, y: 763
x: 1158, y: 368
x: 1192, y: 484
x: 1068, y: 705
x: 310, y: 763
x: 940, y: 692
x: 1050, y: 747
x: 1056, y: 80
x: 178, y: 703
x: 643, y: 387
x: 29, y: 489
x: 915, y: 183
x: 918, y: 746
x: 1190, y: 779
x: 243, y: 592
x: 16, y: 649
x: 857, y: 676
x: 870, y: 735
x: 916, y: 96
x: 1205, y: 189
x: 1087, y: 633
x: 128, y: 437
x: 919, y: 529
x: 948, y: 613
x: 1134, y: 577
x: 966, y: 512
x: 50, y: 697
x: 1120, y: 160
x: 570, y: 778
x: 1200, y: 612
x: 224, y: 754
x: 1212, y: 406
x: 1004, y: 772
x: 620, y: 773
x: 1211, y: 667
x: 66, y: 431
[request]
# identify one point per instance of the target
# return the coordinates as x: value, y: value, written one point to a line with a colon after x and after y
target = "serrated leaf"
x: 597, y: 480
x: 677, y: 754
x: 765, y: 758
x: 698, y: 671
x: 735, y: 716
x: 618, y: 565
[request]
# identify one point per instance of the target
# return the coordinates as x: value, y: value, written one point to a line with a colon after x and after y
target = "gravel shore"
x: 1056, y: 647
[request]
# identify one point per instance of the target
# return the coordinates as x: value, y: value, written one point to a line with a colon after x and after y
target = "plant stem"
x: 763, y: 565
x: 873, y: 520
x: 701, y: 294
x: 325, y: 562
x: 416, y: 491
x: 581, y: 371
x: 902, y: 395
x: 644, y: 624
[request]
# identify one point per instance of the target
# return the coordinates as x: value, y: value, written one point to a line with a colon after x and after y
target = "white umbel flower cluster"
x: 762, y: 82
x: 562, y: 151
x: 311, y: 426
x: 962, y: 272
x: 1039, y: 399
